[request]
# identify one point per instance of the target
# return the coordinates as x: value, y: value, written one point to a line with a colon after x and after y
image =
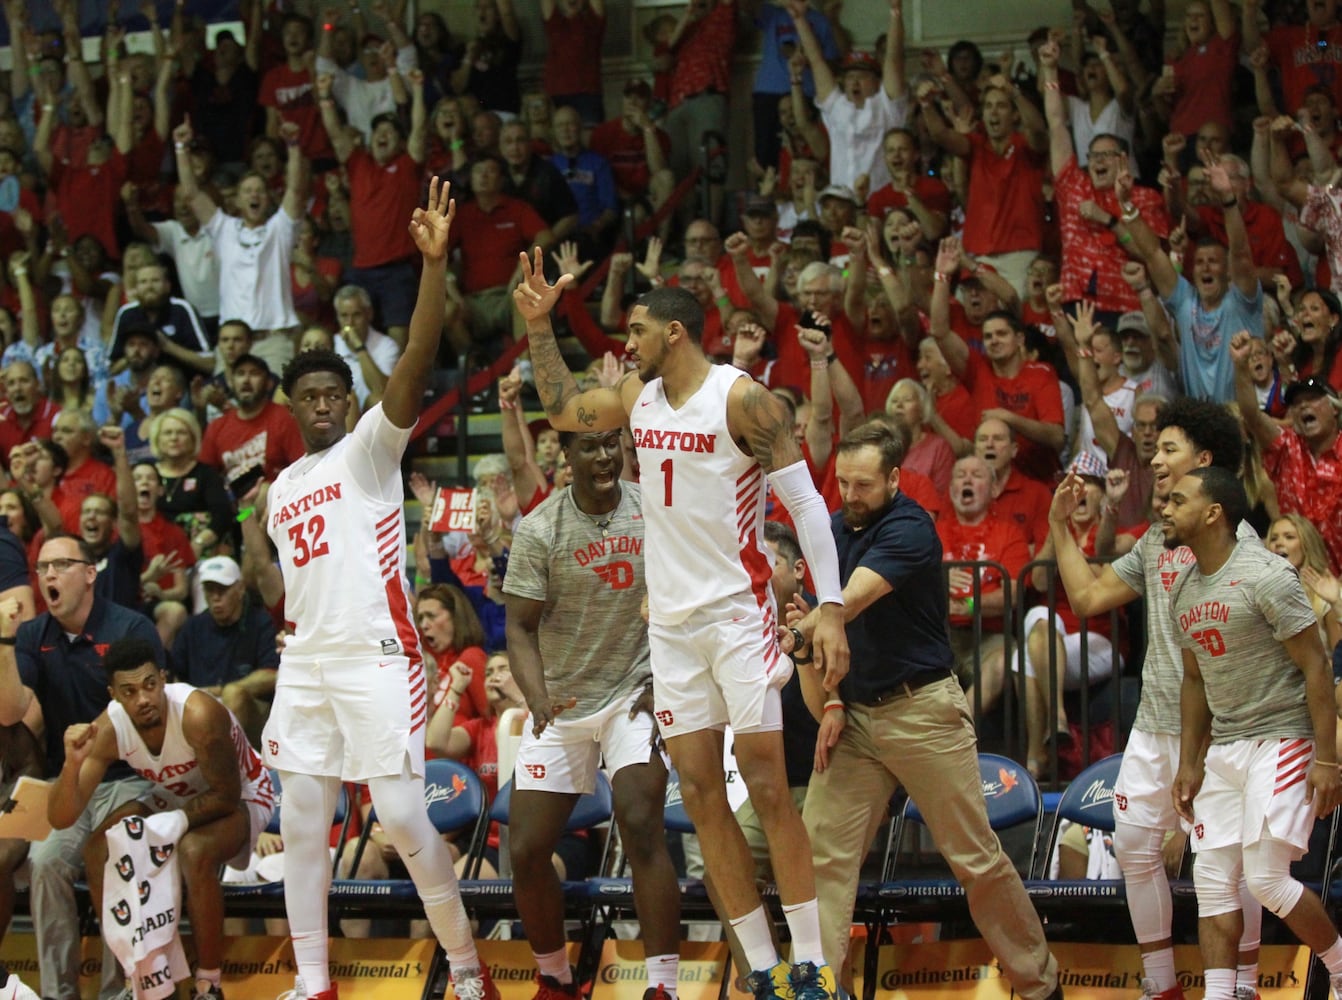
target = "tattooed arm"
x: 758, y: 419
x: 209, y: 732
x: 568, y: 407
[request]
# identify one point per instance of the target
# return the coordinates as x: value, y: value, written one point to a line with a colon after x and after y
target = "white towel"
x: 142, y: 901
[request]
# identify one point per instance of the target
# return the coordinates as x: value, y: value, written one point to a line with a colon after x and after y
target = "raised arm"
x: 1250, y: 34
x: 1088, y: 594
x: 765, y: 305
x: 90, y: 749
x: 127, y: 518
x: 1260, y: 426
x: 342, y: 143
x: 568, y: 408
x: 201, y: 203
x: 954, y: 142
x: 430, y: 228
x: 518, y: 448
x: 821, y: 74
x: 295, y: 173
x: 1242, y: 270
x: 953, y: 347
x: 892, y: 67
x: 416, y: 143
x: 1060, y: 148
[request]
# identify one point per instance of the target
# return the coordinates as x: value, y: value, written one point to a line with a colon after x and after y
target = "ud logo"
x: 1199, y: 832
x: 121, y: 911
x: 160, y: 855
x: 134, y: 827
x: 664, y: 717
x: 537, y: 771
x: 273, y: 746
x: 125, y: 868
x: 144, y: 892
x: 1121, y: 801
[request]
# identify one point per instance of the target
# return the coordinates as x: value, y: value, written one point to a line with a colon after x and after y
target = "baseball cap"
x: 860, y: 60
x: 758, y: 204
x: 1088, y: 465
x: 1135, y: 322
x: 252, y: 359
x: 1301, y: 386
x: 221, y: 570
x: 838, y: 191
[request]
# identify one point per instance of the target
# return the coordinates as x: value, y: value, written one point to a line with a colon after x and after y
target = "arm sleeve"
x: 811, y: 519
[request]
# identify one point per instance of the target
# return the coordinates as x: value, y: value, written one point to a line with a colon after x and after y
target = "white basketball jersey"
x: 336, y: 520
x: 703, y: 500
x: 174, y: 770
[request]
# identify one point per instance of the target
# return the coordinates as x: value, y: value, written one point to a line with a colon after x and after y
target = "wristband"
x: 1130, y: 213
x: 507, y: 404
x: 1112, y: 223
x: 328, y: 26
x: 884, y: 271
x: 1232, y: 203
x: 723, y: 300
x: 8, y: 640
x: 456, y: 144
x: 179, y: 146
x: 832, y: 358
x: 1125, y: 238
x: 819, y: 366
x: 834, y: 704
x: 942, y: 277
x: 245, y: 513
x: 969, y: 603
x: 1052, y: 86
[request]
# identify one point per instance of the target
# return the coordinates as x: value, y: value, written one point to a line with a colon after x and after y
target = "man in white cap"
x: 229, y: 649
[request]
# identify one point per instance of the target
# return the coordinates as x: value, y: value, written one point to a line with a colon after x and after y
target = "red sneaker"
x: 1175, y: 992
x: 550, y: 988
x: 656, y: 993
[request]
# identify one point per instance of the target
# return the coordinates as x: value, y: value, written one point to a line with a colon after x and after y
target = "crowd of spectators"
x: 1018, y: 260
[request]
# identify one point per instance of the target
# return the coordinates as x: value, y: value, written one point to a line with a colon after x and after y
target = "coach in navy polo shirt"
x: 901, y: 719
x: 57, y: 659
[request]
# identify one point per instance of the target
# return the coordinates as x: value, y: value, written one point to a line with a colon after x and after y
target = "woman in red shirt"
x: 452, y: 633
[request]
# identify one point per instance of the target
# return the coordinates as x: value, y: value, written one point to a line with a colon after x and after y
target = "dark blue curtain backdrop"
x: 93, y: 15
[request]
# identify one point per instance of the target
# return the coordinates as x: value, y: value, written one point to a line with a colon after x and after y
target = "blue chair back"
x: 1089, y: 799
x: 1010, y: 791
x: 592, y: 809
x: 675, y: 818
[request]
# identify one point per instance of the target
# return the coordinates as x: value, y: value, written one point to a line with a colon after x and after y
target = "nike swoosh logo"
x: 46, y: 649
x: 414, y: 852
x: 648, y: 403
x: 384, y: 664
x: 1234, y: 582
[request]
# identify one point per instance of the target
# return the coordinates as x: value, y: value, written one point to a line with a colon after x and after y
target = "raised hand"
x: 569, y: 262
x: 182, y: 134
x: 1053, y: 297
x: 113, y: 438
x: 422, y: 489
x: 1172, y: 147
x: 612, y: 369
x: 1134, y: 273
x: 1066, y: 499
x: 651, y: 266
x: 737, y: 245
x: 1048, y: 54
x: 1116, y: 483
x: 79, y: 742
x: 534, y: 297
x: 1241, y: 345
x: 948, y: 256
x: 431, y: 226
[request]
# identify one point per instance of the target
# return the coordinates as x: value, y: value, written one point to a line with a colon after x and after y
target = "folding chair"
x: 1087, y: 801
x: 1013, y: 800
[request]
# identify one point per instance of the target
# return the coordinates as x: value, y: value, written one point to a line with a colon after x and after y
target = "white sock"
x: 752, y: 930
x: 663, y: 971
x: 1247, y: 975
x: 212, y: 976
x: 803, y: 920
x: 1158, y: 966
x: 555, y: 965
x: 1332, y: 957
x: 1220, y: 984
x: 310, y: 955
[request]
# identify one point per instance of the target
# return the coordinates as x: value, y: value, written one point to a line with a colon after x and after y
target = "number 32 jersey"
x: 337, y: 521
x: 703, y: 503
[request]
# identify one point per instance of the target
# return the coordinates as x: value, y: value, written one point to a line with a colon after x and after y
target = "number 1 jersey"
x: 337, y: 521
x: 703, y: 503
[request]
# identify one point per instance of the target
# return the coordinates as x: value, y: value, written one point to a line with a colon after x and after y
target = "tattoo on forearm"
x: 554, y: 382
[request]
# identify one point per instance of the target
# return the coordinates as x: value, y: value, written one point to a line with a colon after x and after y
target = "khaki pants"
x: 926, y: 743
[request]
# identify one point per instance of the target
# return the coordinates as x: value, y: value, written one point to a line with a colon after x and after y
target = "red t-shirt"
x: 475, y: 702
x: 1092, y: 259
x: 994, y: 539
x: 87, y: 199
x: 887, y: 361
x: 89, y: 477
x: 14, y: 433
x: 1202, y: 78
x: 160, y: 536
x: 1025, y: 503
x: 10, y: 240
x: 930, y: 191
x: 1005, y: 210
x: 270, y: 439
x: 959, y: 410
x: 496, y: 238
x: 628, y: 154
x: 1267, y: 238
x: 573, y: 52
x: 1032, y: 393
x: 1304, y: 57
x: 379, y: 194
x: 704, y: 55
x: 144, y: 169
x: 290, y: 93
x: 1310, y: 486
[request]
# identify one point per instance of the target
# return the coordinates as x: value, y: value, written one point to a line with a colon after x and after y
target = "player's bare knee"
x: 197, y: 857
x: 641, y: 828
x: 530, y: 850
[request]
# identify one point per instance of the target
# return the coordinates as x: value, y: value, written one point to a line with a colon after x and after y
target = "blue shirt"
x: 1204, y: 337
x: 902, y: 635
x: 777, y: 32
x: 592, y: 182
x: 208, y: 655
x: 66, y: 675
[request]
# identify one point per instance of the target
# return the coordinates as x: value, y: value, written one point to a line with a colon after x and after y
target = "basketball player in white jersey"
x: 350, y: 698
x: 1192, y: 434
x: 197, y: 757
x: 706, y: 438
x: 1258, y: 687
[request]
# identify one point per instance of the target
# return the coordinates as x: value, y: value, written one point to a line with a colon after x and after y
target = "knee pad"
x: 1276, y: 890
x: 1216, y: 875
x: 1137, y: 849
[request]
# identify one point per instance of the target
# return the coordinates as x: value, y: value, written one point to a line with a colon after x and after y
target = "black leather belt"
x: 906, y: 689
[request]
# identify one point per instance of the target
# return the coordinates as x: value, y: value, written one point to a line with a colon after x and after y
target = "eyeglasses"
x: 59, y: 565
x: 1105, y: 154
